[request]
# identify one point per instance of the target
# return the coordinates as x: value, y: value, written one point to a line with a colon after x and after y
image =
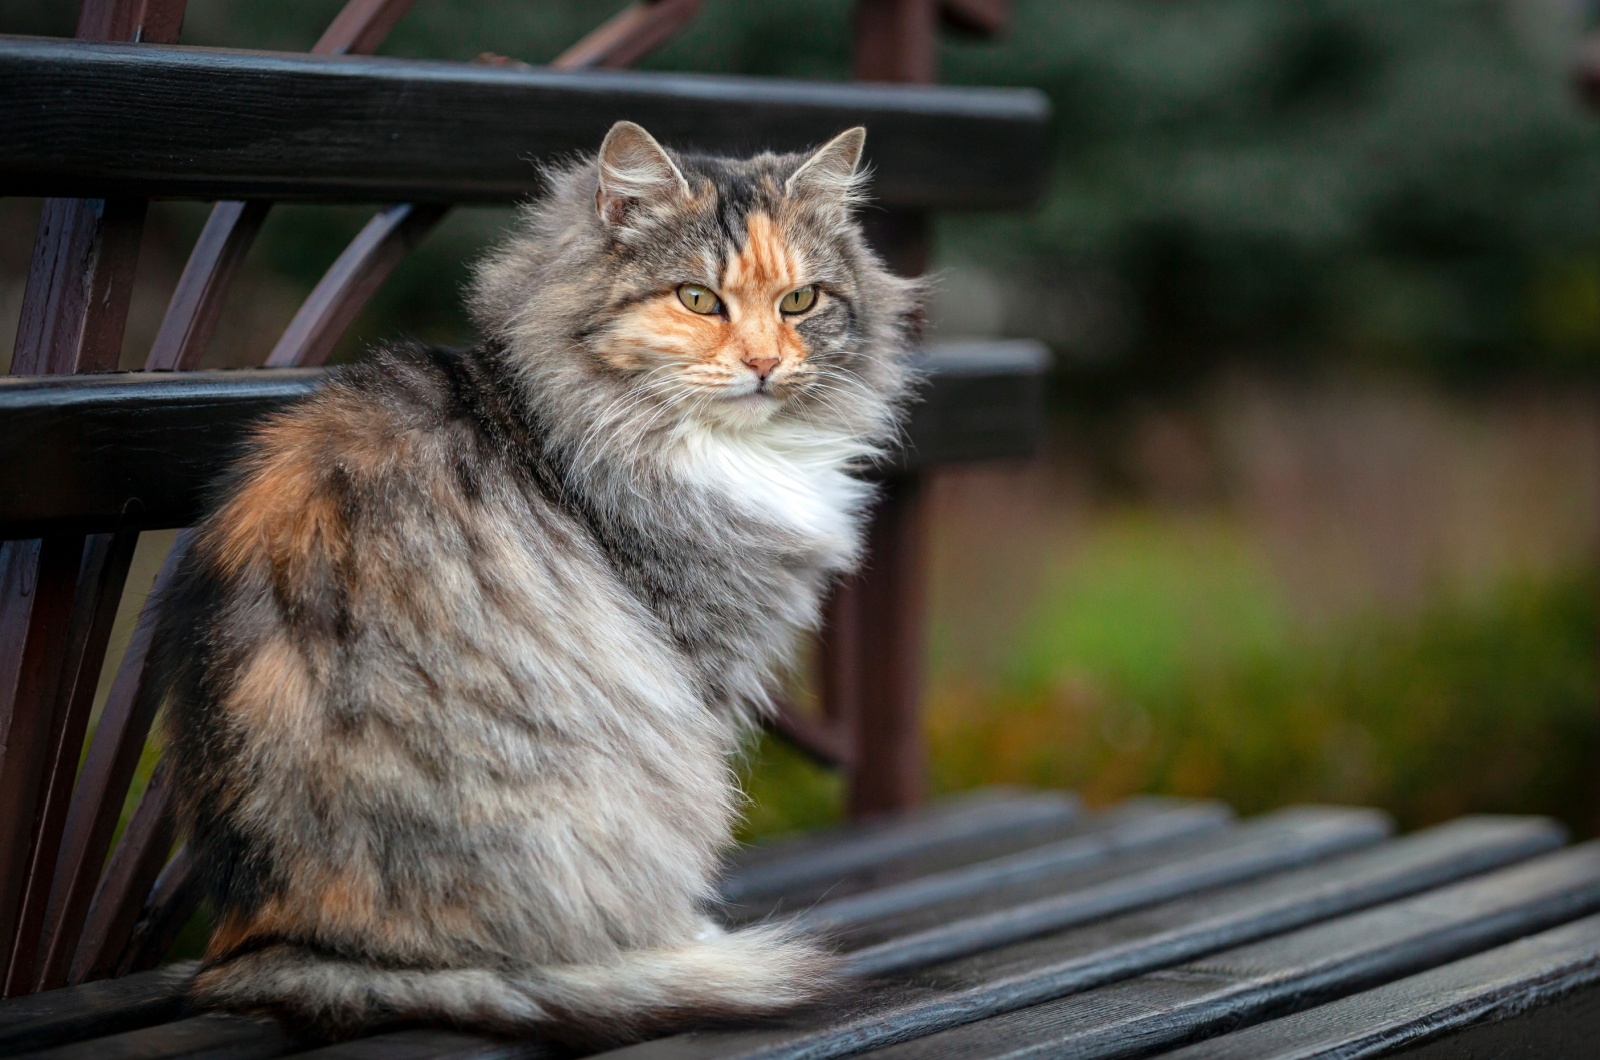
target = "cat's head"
x: 733, y: 292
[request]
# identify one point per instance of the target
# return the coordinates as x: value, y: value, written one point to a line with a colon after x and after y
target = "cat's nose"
x: 762, y: 366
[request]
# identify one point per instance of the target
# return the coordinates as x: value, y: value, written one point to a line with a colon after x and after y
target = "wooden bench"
x: 1000, y: 923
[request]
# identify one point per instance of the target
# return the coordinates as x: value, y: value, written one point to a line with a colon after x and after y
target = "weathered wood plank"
x: 138, y: 450
x: 1285, y: 974
x: 1538, y: 997
x: 1031, y: 973
x: 831, y: 854
x: 1137, y: 827
x: 93, y: 1010
x: 1032, y: 907
x: 209, y: 1037
x: 88, y: 119
x: 434, y: 1045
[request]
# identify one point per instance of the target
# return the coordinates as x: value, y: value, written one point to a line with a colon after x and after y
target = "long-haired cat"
x: 452, y: 675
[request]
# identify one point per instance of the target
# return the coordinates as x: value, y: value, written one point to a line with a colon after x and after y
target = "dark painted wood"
x: 89, y: 119
x: 1535, y: 999
x: 1136, y: 828
x: 102, y: 574
x: 39, y: 583
x: 1031, y: 973
x: 1558, y: 1029
x: 629, y: 35
x: 177, y: 893
x: 202, y: 291
x: 887, y: 773
x: 210, y: 1037
x: 93, y: 1010
x: 76, y: 301
x: 131, y: 449
x: 126, y: 883
x: 1052, y: 902
x: 350, y: 283
x: 97, y: 799
x: 433, y: 1045
x: 987, y: 402
x: 1285, y: 974
x: 138, y: 450
x: 826, y: 855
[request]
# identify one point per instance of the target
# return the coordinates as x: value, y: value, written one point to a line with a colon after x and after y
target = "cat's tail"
x: 720, y: 977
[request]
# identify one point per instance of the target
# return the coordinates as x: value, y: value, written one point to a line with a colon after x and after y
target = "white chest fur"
x: 788, y: 474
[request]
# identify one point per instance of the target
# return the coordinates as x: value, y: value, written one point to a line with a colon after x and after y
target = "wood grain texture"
x: 94, y: 1010
x: 210, y: 1037
x: 97, y: 799
x: 102, y: 573
x: 831, y: 854
x: 38, y: 581
x: 139, y: 450
x: 1031, y: 973
x: 126, y: 883
x: 1537, y: 998
x: 89, y: 119
x: 1007, y: 913
x: 1291, y: 972
x: 1140, y: 826
x: 350, y: 283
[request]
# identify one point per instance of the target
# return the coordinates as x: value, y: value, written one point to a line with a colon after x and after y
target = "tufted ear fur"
x: 832, y: 170
x: 634, y: 171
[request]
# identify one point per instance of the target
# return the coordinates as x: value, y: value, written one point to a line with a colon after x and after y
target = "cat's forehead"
x: 741, y: 206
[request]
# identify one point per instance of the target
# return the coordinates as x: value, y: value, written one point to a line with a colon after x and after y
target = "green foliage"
x: 1482, y: 705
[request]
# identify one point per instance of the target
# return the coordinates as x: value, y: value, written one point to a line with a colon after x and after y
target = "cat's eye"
x: 699, y: 299
x: 799, y: 300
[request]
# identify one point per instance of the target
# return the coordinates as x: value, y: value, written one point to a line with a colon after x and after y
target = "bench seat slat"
x: 94, y: 1009
x: 822, y: 860
x: 209, y: 1037
x: 94, y: 120
x: 1536, y: 997
x: 1285, y: 973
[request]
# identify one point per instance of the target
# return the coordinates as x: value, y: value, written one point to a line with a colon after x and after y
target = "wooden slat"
x: 354, y: 278
x: 102, y: 574
x: 93, y: 1010
x: 126, y: 882
x: 1003, y: 914
x: 1294, y: 971
x: 1138, y: 828
x: 1538, y: 997
x: 139, y: 450
x: 434, y: 1045
x: 1031, y: 973
x: 210, y: 1037
x: 177, y: 893
x: 832, y: 854
x: 38, y: 581
x: 85, y: 118
x: 97, y: 799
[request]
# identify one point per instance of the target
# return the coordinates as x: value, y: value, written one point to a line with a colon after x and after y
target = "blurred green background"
x: 1322, y: 279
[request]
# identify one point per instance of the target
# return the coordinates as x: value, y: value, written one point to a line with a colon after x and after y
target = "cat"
x: 452, y: 675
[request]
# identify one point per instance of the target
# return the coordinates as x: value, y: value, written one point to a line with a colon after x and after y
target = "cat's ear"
x: 833, y: 170
x: 634, y: 170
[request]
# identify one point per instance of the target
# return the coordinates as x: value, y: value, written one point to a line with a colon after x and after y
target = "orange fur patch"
x: 766, y: 268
